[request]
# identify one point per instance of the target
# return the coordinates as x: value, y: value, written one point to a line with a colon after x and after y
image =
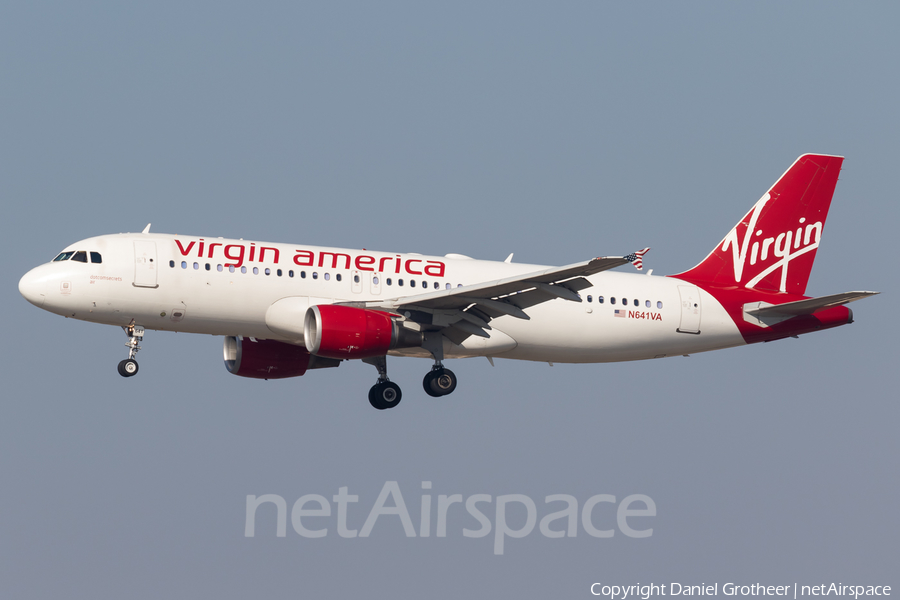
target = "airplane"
x: 284, y: 309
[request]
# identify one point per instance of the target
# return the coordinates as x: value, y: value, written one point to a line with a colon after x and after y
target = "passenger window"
x: 590, y: 298
x: 424, y: 285
x: 337, y: 276
x: 315, y: 275
x: 196, y: 266
x: 80, y: 256
x: 658, y: 304
x: 388, y: 281
x: 399, y: 282
x: 219, y: 268
x: 184, y: 264
x: 637, y: 302
x: 356, y: 279
x: 172, y: 263
x: 624, y: 301
x: 231, y: 268
x: 95, y: 258
x: 327, y: 276
x: 599, y: 299
x: 448, y: 286
x: 207, y: 267
x: 302, y: 274
x: 612, y: 300
x: 268, y: 271
x: 278, y: 272
x: 63, y: 256
x: 437, y: 286
x: 256, y: 270
x: 647, y: 304
x: 412, y: 283
x: 244, y: 270
x: 375, y: 280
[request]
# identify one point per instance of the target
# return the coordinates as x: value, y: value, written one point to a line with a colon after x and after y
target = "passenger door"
x: 690, y: 309
x: 145, y: 265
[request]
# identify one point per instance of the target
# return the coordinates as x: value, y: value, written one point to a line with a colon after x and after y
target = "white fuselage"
x: 261, y: 290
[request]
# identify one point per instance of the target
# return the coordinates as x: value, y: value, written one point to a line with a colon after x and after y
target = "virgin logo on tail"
x: 773, y: 247
x: 784, y: 246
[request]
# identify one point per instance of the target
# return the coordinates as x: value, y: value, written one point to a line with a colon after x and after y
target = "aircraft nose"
x: 33, y: 288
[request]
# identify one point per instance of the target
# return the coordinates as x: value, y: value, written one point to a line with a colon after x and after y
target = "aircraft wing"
x: 468, y: 309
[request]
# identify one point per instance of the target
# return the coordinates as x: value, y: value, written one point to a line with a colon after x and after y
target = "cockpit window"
x: 80, y: 256
x: 64, y: 256
x: 95, y: 258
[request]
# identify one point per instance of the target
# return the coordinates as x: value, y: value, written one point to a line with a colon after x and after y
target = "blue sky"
x: 556, y: 132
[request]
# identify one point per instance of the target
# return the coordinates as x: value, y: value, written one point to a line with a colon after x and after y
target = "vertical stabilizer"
x: 773, y: 247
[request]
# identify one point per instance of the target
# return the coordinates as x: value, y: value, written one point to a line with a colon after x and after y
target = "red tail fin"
x: 773, y: 247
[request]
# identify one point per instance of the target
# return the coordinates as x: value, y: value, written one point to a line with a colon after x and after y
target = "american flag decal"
x: 637, y: 258
x: 619, y: 313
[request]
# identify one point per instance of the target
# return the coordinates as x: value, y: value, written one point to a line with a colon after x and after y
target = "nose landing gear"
x: 129, y: 366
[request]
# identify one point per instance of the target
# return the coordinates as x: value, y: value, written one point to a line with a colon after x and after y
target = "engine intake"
x: 345, y: 332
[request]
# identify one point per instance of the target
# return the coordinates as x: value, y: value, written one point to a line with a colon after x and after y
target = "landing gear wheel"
x: 440, y: 382
x: 128, y: 367
x: 426, y: 384
x: 385, y: 395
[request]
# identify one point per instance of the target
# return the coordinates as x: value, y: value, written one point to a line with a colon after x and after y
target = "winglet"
x: 146, y: 229
x: 636, y: 258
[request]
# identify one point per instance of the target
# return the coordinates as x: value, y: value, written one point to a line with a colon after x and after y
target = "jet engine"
x: 268, y: 359
x: 344, y: 332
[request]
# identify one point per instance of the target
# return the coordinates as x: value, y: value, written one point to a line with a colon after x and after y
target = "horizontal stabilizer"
x: 807, y: 307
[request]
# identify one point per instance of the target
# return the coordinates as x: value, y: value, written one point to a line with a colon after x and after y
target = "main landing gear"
x: 385, y: 393
x: 129, y: 366
x: 438, y: 382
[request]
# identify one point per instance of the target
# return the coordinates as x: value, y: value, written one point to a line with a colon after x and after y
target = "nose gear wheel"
x: 128, y: 367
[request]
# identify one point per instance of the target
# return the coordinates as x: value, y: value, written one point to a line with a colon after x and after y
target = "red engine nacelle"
x: 346, y: 332
x: 264, y: 359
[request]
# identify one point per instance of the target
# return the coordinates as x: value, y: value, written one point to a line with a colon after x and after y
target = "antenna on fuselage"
x: 146, y: 229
